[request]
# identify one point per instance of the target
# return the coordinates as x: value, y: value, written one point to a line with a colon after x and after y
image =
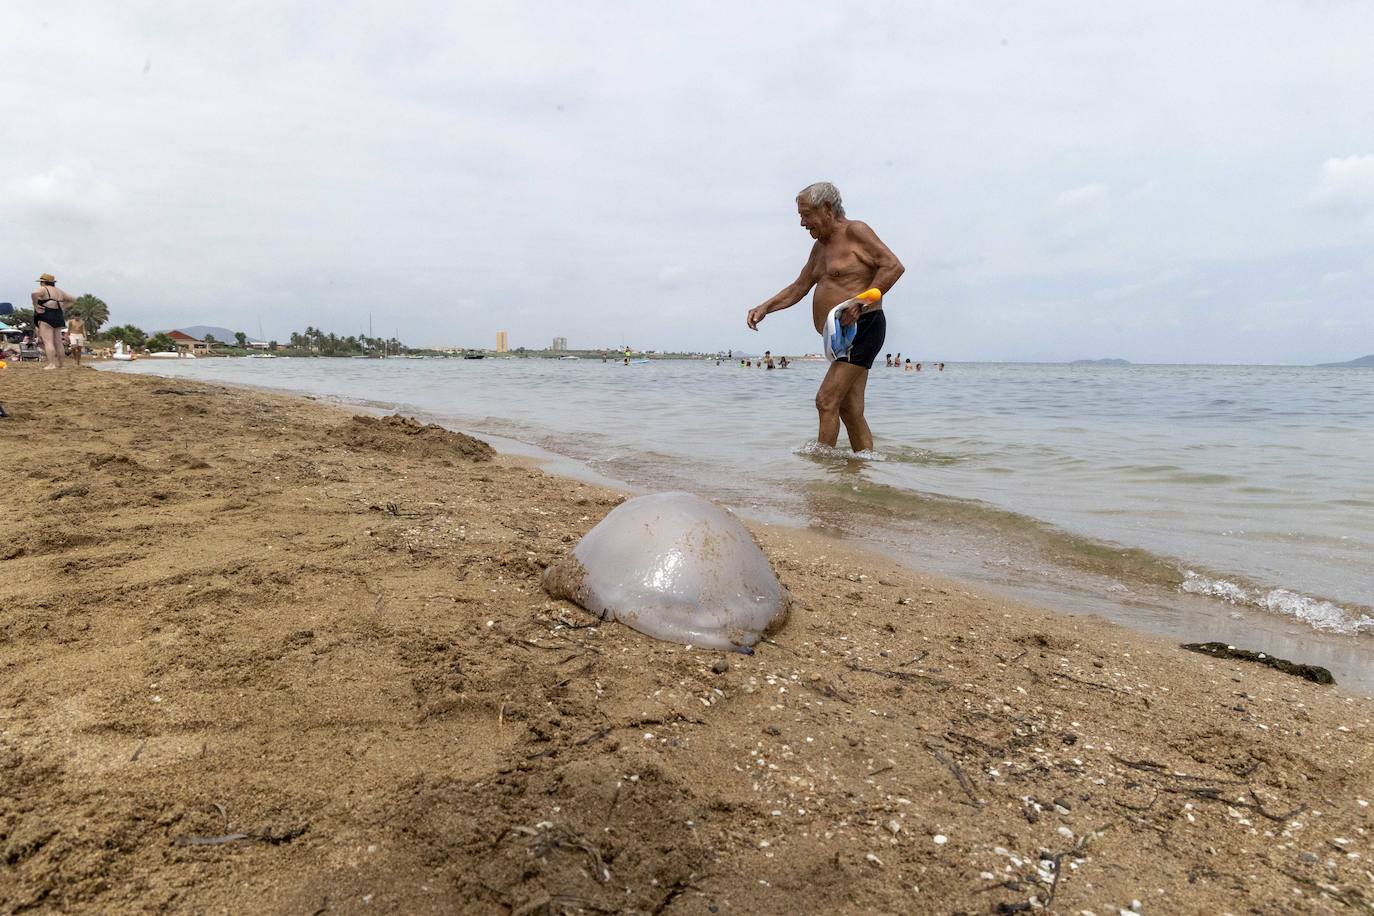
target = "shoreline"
x: 229, y: 611
x: 1041, y: 574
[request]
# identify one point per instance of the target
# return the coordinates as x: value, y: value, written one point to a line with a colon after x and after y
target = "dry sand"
x: 256, y: 656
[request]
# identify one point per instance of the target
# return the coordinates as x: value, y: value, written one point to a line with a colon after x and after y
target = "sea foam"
x: 1317, y: 613
x: 814, y: 449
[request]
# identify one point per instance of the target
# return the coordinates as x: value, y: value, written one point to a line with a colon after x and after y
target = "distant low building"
x: 185, y: 343
x: 259, y: 345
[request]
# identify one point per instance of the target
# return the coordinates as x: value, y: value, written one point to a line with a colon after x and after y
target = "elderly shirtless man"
x: 847, y: 259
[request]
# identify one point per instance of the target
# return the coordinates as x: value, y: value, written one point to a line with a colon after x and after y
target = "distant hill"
x: 1364, y: 362
x: 198, y: 331
x: 1100, y: 362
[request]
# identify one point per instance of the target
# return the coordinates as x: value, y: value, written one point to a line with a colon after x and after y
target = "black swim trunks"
x: 868, y: 340
x: 54, y: 317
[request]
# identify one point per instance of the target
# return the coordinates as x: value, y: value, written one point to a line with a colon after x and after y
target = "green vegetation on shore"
x: 315, y: 342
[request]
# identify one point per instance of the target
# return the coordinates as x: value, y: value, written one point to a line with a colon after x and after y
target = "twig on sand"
x: 563, y: 839
x: 675, y: 890
x: 267, y: 836
x: 564, y: 621
x: 828, y: 689
x: 1159, y: 769
x: 599, y: 733
x: 903, y: 675
x: 1140, y: 808
x: 1057, y: 858
x: 1350, y: 897
x: 948, y: 763
x: 1211, y: 793
x: 994, y: 750
x: 1093, y: 684
x: 1277, y: 818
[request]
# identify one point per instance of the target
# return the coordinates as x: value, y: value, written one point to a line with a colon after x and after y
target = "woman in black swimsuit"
x: 49, y: 319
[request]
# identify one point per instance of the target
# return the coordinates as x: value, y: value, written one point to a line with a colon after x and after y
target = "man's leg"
x: 839, y: 378
x: 852, y: 414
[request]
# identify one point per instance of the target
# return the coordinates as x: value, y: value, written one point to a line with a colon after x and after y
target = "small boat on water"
x: 561, y: 358
x: 261, y: 356
x: 474, y: 354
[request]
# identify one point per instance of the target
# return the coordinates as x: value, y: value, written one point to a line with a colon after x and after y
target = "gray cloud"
x: 1162, y: 182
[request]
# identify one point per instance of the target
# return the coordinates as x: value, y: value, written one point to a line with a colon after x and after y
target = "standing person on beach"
x: 76, y: 336
x: 847, y: 259
x: 48, y: 318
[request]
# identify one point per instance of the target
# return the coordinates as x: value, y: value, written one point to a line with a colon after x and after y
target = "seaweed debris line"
x: 1314, y: 673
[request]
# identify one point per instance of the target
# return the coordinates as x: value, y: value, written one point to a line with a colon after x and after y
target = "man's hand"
x: 851, y: 313
x: 755, y: 316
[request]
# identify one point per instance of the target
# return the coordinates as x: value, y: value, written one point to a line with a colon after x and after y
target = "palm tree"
x: 241, y: 339
x: 92, y: 311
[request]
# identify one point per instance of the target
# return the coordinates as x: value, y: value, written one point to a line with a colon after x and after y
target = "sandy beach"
x: 259, y: 654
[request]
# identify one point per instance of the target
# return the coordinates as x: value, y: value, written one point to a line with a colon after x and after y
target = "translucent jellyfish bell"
x: 677, y: 567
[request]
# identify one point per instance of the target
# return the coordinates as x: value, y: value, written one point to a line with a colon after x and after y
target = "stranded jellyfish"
x: 677, y: 567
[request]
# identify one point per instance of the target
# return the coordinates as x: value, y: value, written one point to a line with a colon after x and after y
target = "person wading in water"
x: 847, y: 259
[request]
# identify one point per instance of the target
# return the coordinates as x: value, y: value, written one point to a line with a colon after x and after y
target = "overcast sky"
x: 1155, y: 181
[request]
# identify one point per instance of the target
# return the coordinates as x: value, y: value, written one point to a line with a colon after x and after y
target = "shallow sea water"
x: 1203, y: 502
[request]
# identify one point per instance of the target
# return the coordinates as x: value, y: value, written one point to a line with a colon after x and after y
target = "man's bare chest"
x: 841, y: 261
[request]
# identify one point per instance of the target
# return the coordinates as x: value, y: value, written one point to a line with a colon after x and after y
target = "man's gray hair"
x: 823, y: 193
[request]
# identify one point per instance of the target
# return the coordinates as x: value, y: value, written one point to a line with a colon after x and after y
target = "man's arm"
x: 887, y: 269
x: 790, y: 294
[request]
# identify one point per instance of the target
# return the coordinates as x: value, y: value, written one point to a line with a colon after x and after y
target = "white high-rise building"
x: 559, y: 343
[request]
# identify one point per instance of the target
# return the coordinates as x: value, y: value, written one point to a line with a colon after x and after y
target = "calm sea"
x: 1203, y: 502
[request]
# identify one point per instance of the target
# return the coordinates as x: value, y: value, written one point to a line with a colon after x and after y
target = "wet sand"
x: 257, y: 654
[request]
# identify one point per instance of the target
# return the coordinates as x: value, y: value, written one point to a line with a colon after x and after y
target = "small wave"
x: 815, y: 449
x: 1317, y: 613
x: 900, y: 454
x: 906, y: 454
